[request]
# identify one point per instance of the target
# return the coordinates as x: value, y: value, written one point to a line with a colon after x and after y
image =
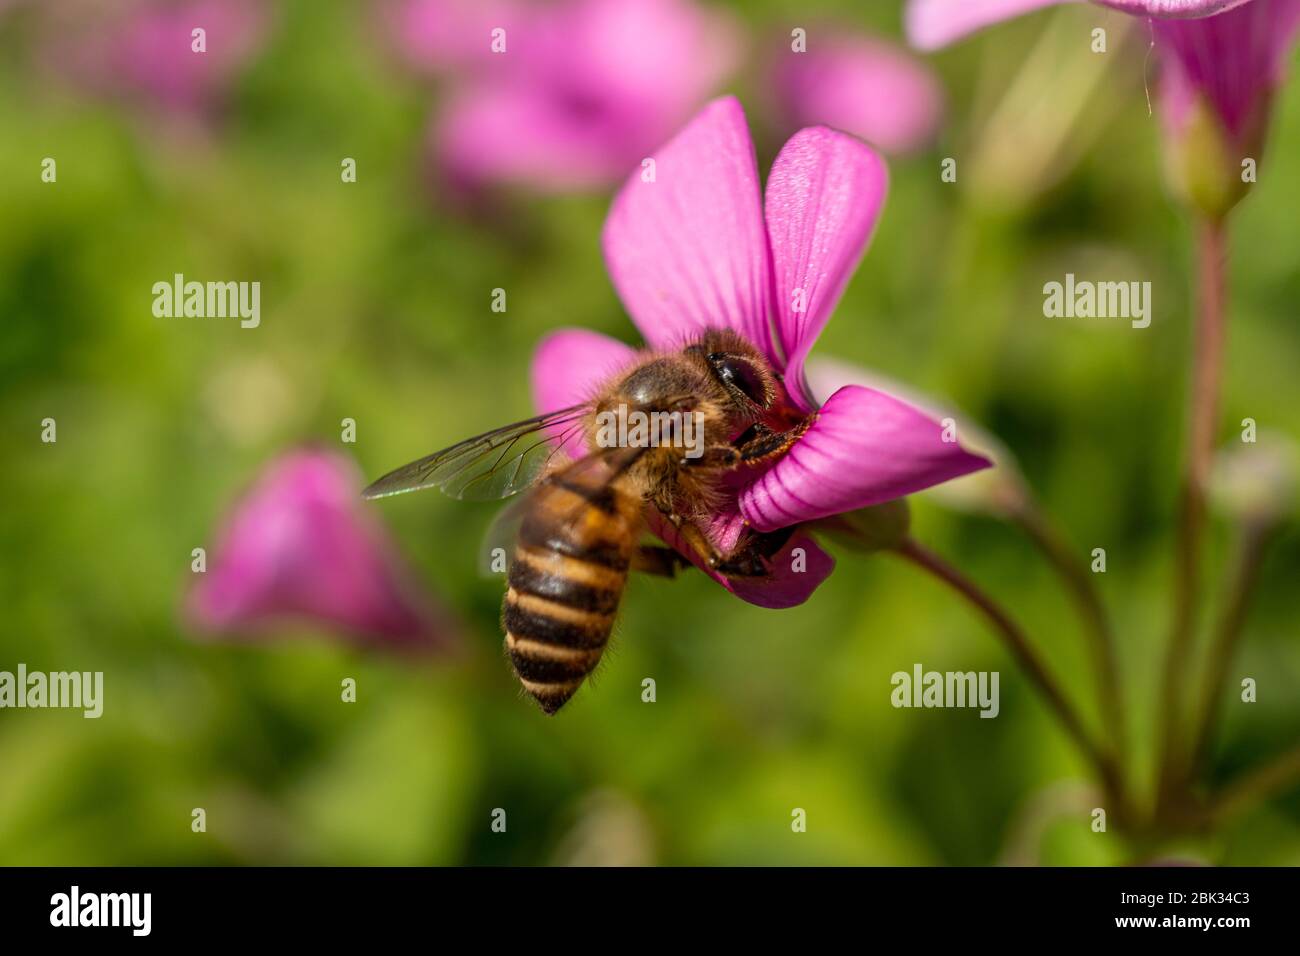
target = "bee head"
x: 740, y: 370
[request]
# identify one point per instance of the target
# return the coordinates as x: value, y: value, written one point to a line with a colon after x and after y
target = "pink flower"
x: 300, y: 546
x: 1223, y: 60
x: 699, y: 247
x: 438, y: 36
x: 582, y: 92
x: 145, y: 49
x: 862, y: 85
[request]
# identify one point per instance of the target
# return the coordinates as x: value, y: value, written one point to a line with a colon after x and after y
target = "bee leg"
x: 715, y: 456
x: 691, y: 536
x: 769, y: 543
x: 742, y: 563
x: 652, y: 559
x: 759, y: 443
x: 753, y: 558
x: 747, y: 561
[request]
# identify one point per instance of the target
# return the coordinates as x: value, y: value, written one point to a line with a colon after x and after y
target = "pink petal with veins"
x: 824, y: 196
x: 864, y: 448
x: 687, y: 249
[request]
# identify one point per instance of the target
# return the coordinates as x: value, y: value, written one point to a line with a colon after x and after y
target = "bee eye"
x: 740, y: 374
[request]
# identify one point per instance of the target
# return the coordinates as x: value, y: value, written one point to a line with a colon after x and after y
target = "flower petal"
x: 586, y: 90
x: 642, y: 66
x: 444, y: 35
x: 826, y: 376
x: 988, y: 490
x: 823, y: 199
x: 1173, y: 8
x: 142, y: 51
x: 301, y: 545
x: 686, y: 248
x: 568, y: 366
x: 864, y: 448
x: 506, y: 133
x: 863, y: 85
x: 931, y: 24
x: 792, y: 582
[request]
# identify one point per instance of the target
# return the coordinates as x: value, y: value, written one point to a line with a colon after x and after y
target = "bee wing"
x: 496, y: 464
x: 497, y: 551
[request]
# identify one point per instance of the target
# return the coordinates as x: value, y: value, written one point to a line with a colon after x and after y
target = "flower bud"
x: 1256, y: 482
x: 1219, y: 77
x: 876, y: 528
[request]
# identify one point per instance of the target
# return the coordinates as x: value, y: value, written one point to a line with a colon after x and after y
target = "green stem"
x: 1018, y: 644
x: 1203, y: 413
x: 1228, y: 634
x: 1282, y: 773
x: 1097, y: 628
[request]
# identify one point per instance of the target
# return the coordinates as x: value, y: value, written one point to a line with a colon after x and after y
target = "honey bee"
x: 582, y: 520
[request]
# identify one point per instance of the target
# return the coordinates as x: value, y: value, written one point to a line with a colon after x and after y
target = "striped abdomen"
x: 567, y: 579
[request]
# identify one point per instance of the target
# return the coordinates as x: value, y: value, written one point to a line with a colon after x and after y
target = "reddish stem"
x: 1018, y: 644
x: 1203, y: 419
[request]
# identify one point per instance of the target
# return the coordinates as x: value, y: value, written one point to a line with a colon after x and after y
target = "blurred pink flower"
x: 300, y: 546
x: 583, y: 90
x: 699, y: 248
x: 144, y: 49
x: 440, y: 36
x: 863, y: 85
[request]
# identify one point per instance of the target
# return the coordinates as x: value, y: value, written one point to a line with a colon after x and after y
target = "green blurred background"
x: 376, y: 306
